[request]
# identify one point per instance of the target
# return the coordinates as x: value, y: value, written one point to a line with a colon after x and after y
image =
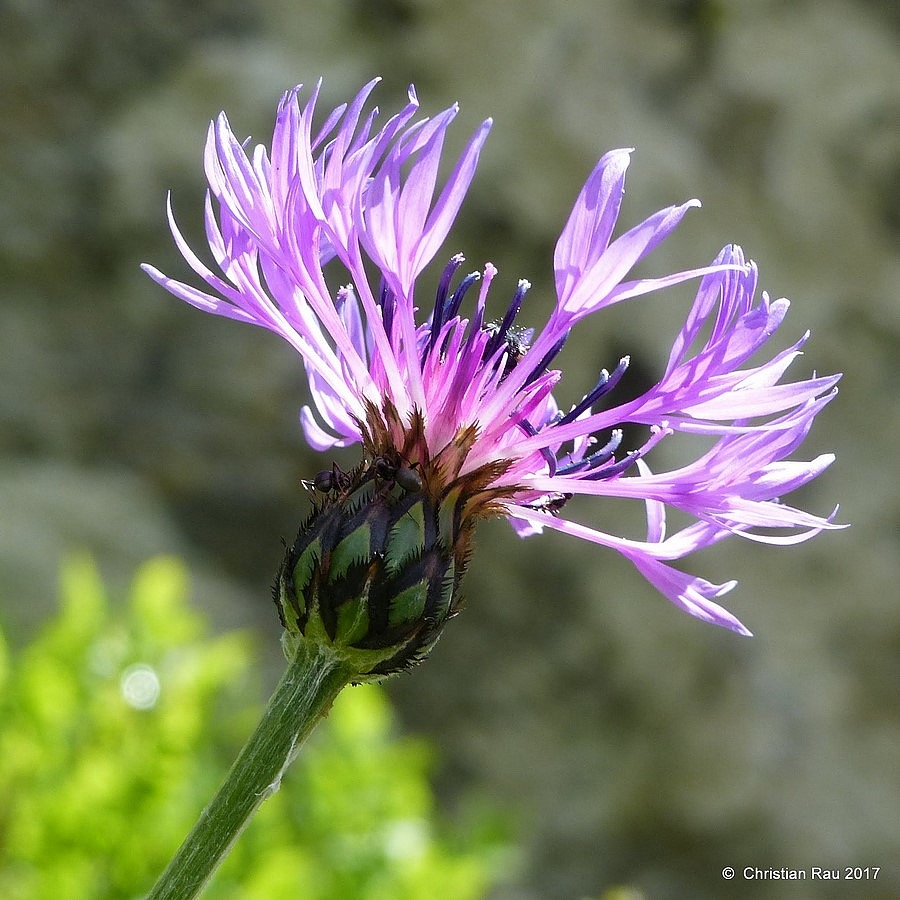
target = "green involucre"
x: 374, y: 573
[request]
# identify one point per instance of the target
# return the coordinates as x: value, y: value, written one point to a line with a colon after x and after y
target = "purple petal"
x: 587, y: 232
x: 592, y: 287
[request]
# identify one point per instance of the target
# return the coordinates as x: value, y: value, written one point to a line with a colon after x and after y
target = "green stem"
x: 303, y: 697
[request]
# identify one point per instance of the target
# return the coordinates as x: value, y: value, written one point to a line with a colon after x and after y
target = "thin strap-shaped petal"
x: 597, y: 282
x: 586, y: 234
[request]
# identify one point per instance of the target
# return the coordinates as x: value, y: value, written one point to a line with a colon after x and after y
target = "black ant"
x: 328, y: 480
x: 398, y: 473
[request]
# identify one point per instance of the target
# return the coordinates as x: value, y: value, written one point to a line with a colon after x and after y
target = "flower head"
x: 458, y: 396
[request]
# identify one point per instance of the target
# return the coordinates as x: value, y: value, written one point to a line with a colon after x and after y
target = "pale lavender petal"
x: 601, y: 277
x: 447, y: 205
x: 586, y: 235
x: 693, y: 595
x: 317, y: 437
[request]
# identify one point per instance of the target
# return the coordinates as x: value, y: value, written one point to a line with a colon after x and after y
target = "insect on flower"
x: 333, y: 479
x: 398, y: 472
x: 461, y: 415
x: 514, y: 338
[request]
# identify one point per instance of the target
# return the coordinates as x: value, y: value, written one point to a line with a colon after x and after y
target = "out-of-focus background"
x: 633, y: 744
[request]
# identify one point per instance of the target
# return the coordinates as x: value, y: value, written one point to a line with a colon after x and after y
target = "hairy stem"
x: 302, y: 698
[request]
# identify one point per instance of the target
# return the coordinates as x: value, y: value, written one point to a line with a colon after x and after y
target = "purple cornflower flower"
x: 465, y: 402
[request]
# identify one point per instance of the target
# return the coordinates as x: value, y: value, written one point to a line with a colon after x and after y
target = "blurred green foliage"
x: 117, y: 724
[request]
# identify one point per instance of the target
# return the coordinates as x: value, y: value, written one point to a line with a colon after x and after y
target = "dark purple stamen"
x: 499, y: 335
x: 451, y: 307
x: 541, y: 367
x: 626, y: 462
x: 597, y: 458
x: 606, y: 383
x: 439, y: 315
x: 546, y: 452
x: 456, y: 298
x: 387, y: 301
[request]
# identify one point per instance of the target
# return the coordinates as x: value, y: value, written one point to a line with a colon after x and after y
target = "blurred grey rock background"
x: 635, y: 744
